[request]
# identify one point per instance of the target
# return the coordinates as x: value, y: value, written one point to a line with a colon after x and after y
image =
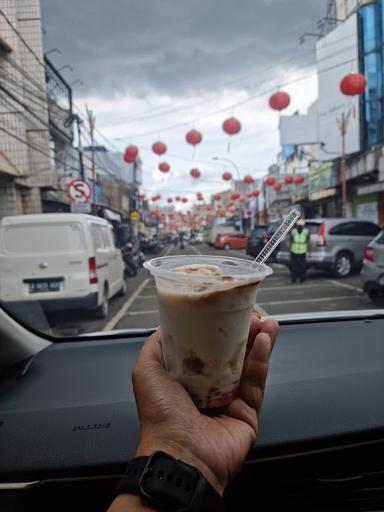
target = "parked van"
x: 62, y: 260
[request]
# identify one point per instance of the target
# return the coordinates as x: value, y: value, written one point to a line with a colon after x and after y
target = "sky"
x: 154, y: 69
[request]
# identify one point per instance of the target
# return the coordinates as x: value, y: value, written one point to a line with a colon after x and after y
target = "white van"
x: 62, y: 260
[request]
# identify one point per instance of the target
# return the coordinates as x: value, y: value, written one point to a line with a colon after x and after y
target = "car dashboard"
x: 68, y: 423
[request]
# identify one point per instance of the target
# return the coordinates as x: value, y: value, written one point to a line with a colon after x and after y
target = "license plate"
x: 44, y: 286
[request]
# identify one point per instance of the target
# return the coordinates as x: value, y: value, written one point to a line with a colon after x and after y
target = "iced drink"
x: 205, y: 305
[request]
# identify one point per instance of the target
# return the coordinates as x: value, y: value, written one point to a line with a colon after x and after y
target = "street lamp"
x: 231, y: 162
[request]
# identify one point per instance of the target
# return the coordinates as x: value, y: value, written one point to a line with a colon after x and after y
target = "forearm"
x: 130, y: 503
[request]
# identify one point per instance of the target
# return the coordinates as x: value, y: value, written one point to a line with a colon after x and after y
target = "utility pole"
x: 343, y: 127
x: 91, y: 125
x: 80, y: 146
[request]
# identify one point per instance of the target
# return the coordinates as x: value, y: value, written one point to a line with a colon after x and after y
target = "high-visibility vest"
x: 299, y: 241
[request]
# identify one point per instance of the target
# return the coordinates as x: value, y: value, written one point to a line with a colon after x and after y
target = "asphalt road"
x: 276, y: 296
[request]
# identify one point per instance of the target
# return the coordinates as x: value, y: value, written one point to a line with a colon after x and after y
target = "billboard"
x: 298, y: 130
x: 337, y: 55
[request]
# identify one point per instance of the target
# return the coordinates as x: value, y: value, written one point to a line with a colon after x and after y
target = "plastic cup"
x: 205, y: 320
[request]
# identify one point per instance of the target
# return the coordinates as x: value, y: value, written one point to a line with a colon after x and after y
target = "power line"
x: 234, y: 105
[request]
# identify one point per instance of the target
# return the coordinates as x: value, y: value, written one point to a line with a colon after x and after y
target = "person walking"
x: 299, y: 248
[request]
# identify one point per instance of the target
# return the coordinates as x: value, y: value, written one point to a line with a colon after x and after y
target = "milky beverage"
x: 205, y: 306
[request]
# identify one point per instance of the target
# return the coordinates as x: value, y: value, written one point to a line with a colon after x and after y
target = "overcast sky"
x: 148, y: 65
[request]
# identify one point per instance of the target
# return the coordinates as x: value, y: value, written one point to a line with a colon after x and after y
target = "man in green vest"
x: 299, y: 248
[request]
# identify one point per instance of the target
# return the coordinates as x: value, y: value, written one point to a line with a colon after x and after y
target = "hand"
x: 217, y: 441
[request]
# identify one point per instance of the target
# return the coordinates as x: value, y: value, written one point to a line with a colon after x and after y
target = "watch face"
x: 167, y: 481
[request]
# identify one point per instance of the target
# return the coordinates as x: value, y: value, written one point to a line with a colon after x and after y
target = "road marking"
x: 195, y: 250
x: 122, y: 311
x: 144, y: 312
x: 300, y: 301
x: 258, y: 309
x: 147, y: 297
x: 345, y: 285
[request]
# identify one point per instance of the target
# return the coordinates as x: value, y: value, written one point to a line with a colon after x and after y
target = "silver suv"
x: 337, y: 245
x: 372, y: 272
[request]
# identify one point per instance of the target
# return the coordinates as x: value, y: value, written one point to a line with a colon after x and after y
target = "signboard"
x: 135, y: 216
x: 298, y: 130
x: 81, y: 208
x: 322, y: 178
x: 338, y: 55
x: 79, y: 191
x: 368, y: 211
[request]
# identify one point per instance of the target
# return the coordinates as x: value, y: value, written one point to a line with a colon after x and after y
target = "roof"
x: 49, y: 217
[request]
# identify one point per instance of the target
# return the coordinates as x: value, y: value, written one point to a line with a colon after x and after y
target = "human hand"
x: 214, y: 441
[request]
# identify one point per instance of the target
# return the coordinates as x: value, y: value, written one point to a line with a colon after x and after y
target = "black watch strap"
x: 170, y: 484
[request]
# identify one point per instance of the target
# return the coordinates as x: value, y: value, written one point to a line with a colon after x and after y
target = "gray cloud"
x: 139, y: 47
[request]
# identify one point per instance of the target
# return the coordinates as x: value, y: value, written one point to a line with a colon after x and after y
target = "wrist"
x: 130, y: 503
x: 185, y: 455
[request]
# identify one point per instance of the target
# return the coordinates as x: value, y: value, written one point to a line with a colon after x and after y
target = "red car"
x: 231, y: 241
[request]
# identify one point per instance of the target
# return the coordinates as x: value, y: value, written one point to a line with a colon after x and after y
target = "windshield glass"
x: 134, y: 130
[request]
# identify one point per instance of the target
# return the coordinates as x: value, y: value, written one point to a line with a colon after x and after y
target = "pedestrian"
x: 299, y: 248
x: 205, y: 451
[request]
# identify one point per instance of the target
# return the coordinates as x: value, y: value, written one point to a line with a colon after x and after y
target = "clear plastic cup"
x: 205, y: 320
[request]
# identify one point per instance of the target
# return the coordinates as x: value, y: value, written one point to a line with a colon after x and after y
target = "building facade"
x: 36, y: 132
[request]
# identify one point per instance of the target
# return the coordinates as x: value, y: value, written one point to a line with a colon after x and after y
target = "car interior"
x: 68, y: 421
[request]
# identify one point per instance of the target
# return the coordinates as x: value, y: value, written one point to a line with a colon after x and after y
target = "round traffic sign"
x: 135, y: 216
x: 79, y: 191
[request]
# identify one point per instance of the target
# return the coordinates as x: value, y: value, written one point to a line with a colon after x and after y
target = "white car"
x: 62, y: 260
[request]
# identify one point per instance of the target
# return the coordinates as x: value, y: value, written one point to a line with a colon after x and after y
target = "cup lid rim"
x: 264, y: 270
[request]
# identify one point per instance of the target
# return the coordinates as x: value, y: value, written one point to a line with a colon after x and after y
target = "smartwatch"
x: 170, y: 484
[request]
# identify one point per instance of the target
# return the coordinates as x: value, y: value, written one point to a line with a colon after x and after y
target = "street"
x: 276, y: 296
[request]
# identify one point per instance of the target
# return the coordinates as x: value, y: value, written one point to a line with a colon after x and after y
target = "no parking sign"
x: 79, y: 191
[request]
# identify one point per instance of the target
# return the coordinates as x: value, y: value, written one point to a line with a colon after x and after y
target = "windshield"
x: 135, y: 130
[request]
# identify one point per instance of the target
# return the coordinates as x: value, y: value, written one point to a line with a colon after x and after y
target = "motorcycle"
x: 131, y: 260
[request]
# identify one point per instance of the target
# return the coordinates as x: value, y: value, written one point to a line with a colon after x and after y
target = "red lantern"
x: 256, y: 193
x: 142, y: 197
x: 277, y: 187
x: 158, y: 196
x: 209, y: 208
x: 154, y: 198
x: 164, y: 167
x: 230, y: 204
x: 221, y: 214
x: 298, y: 180
x: 248, y: 180
x: 184, y: 200
x: 288, y: 179
x: 159, y: 148
x: 241, y: 200
x: 227, y: 176
x: 178, y: 198
x: 217, y: 197
x: 249, y: 195
x: 353, y: 84
x: 219, y: 206
x: 130, y: 154
x: 195, y: 173
x: 194, y: 137
x: 279, y: 101
x: 235, y: 196
x: 231, y: 126
x: 199, y: 196
x: 169, y: 200
x: 270, y: 181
